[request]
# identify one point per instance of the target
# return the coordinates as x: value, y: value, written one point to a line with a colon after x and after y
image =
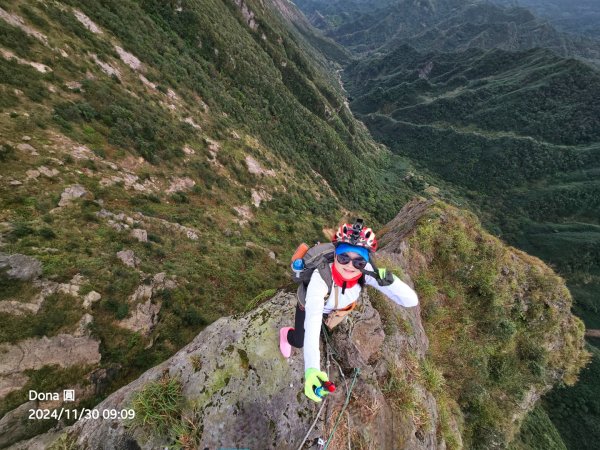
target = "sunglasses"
x: 359, y: 263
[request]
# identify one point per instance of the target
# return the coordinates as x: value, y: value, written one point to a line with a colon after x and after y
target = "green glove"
x: 314, y: 378
x: 385, y: 279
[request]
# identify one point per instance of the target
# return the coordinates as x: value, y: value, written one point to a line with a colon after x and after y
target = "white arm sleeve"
x: 399, y: 292
x: 314, y: 304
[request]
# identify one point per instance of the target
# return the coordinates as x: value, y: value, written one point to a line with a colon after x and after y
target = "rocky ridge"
x: 238, y: 391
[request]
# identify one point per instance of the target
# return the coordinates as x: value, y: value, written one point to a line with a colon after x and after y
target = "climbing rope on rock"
x: 330, y: 351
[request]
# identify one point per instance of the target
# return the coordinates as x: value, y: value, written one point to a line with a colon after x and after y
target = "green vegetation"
x: 59, y: 313
x: 214, y: 85
x: 159, y: 411
x: 574, y: 410
x: 158, y: 406
x: 487, y: 336
x: 538, y: 433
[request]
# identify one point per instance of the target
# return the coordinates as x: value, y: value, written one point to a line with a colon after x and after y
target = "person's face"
x: 347, y: 271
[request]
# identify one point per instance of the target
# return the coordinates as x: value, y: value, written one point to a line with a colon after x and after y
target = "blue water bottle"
x: 298, y: 266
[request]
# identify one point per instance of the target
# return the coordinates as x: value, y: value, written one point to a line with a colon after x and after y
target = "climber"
x: 343, y: 266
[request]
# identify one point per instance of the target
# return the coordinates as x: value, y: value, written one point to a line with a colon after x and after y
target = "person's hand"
x: 385, y: 278
x: 314, y: 378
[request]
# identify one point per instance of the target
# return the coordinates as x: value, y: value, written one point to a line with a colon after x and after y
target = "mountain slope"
x: 496, y: 332
x: 158, y: 162
x: 517, y: 130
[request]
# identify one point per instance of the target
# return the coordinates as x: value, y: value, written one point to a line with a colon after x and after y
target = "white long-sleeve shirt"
x: 315, y: 306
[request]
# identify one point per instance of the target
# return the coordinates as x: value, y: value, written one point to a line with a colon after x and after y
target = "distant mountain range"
x: 579, y: 17
x: 445, y: 26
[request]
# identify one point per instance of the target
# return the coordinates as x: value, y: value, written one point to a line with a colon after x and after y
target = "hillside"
x: 518, y: 131
x: 158, y: 164
x: 493, y: 333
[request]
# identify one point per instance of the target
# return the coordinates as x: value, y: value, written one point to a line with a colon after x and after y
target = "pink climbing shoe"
x: 284, y: 345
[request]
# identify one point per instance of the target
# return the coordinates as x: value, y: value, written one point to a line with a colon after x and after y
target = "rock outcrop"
x: 233, y: 388
x: 20, y: 267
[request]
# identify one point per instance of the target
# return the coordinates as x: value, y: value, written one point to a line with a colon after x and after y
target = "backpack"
x: 317, y: 257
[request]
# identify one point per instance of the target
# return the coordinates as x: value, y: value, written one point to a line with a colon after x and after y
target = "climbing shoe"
x: 284, y: 345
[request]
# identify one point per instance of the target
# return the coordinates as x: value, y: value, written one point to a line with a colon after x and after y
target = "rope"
x: 356, y: 372
x: 312, y: 426
x: 330, y: 350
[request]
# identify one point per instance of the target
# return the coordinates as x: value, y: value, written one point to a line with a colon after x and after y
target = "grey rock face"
x: 128, y: 258
x: 244, y: 394
x: 20, y: 267
x: 140, y: 235
x: 64, y: 350
x: 71, y: 193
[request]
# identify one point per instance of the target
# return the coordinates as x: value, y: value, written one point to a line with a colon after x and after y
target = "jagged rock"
x: 87, y: 22
x: 255, y: 168
x: 27, y: 148
x: 128, y: 258
x: 16, y: 183
x: 190, y: 121
x: 128, y: 58
x: 147, y: 82
x: 16, y: 307
x: 366, y: 339
x: 244, y: 212
x: 71, y: 193
x: 26, y: 138
x: 105, y: 67
x: 247, y: 395
x: 83, y: 326
x: 180, y: 185
x: 145, y: 315
x: 91, y: 298
x: 143, y: 319
x: 50, y: 173
x: 64, y: 350
x: 139, y: 234
x: 142, y: 293
x: 247, y: 14
x: 259, y: 196
x: 72, y: 287
x: 32, y: 174
x: 73, y: 85
x: 11, y: 425
x: 20, y: 267
x: 213, y: 147
x: 82, y: 152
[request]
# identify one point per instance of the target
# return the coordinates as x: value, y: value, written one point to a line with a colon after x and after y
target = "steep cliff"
x: 492, y: 333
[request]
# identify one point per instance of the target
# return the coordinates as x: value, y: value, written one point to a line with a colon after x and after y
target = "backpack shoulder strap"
x: 325, y: 273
